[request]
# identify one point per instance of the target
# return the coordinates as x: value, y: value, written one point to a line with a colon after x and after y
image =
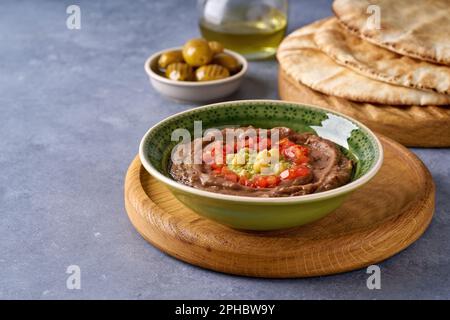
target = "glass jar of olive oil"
x: 253, y: 28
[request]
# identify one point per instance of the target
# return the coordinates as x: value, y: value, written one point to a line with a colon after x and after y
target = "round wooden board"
x: 413, y: 126
x: 374, y: 223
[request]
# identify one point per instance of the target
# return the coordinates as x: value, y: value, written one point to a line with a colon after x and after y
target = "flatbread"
x: 413, y: 126
x: 415, y: 28
x: 378, y: 63
x: 299, y: 56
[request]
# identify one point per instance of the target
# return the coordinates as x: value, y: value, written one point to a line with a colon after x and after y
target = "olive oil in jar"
x: 253, y: 32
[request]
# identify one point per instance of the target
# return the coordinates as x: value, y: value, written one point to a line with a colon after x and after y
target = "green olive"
x: 211, y: 72
x: 170, y: 57
x: 179, y: 71
x: 196, y: 52
x: 227, y: 61
x: 216, y: 47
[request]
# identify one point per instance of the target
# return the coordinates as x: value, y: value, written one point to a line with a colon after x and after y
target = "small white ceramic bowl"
x: 194, y: 91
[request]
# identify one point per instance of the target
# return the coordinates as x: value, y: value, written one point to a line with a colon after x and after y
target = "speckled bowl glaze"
x: 253, y: 213
x: 194, y: 91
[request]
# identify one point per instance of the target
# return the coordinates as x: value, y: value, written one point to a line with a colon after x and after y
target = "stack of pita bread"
x: 395, y: 78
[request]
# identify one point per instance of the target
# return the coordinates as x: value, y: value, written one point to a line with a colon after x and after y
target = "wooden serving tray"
x: 413, y: 126
x: 377, y: 221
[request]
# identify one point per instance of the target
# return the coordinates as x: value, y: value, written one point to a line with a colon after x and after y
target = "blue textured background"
x: 74, y: 105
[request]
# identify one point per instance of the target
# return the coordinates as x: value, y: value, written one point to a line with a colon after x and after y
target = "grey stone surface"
x: 74, y: 104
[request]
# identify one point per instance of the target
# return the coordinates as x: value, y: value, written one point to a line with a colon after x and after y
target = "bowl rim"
x: 156, y: 76
x: 269, y: 200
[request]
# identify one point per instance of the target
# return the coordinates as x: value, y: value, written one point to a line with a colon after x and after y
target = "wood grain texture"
x: 413, y: 126
x: 376, y: 222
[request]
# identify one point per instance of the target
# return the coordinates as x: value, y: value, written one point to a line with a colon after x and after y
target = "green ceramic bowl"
x: 253, y: 213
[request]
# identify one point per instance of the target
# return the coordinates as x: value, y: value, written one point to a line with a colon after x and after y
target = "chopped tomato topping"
x: 231, y: 176
x: 286, y: 142
x: 272, y: 181
x: 296, y: 155
x: 261, y: 182
x: 217, y: 171
x: 244, y: 181
x: 295, y: 172
x: 266, y: 181
x: 304, y: 150
x: 215, y: 166
x: 301, y: 160
x: 301, y: 171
